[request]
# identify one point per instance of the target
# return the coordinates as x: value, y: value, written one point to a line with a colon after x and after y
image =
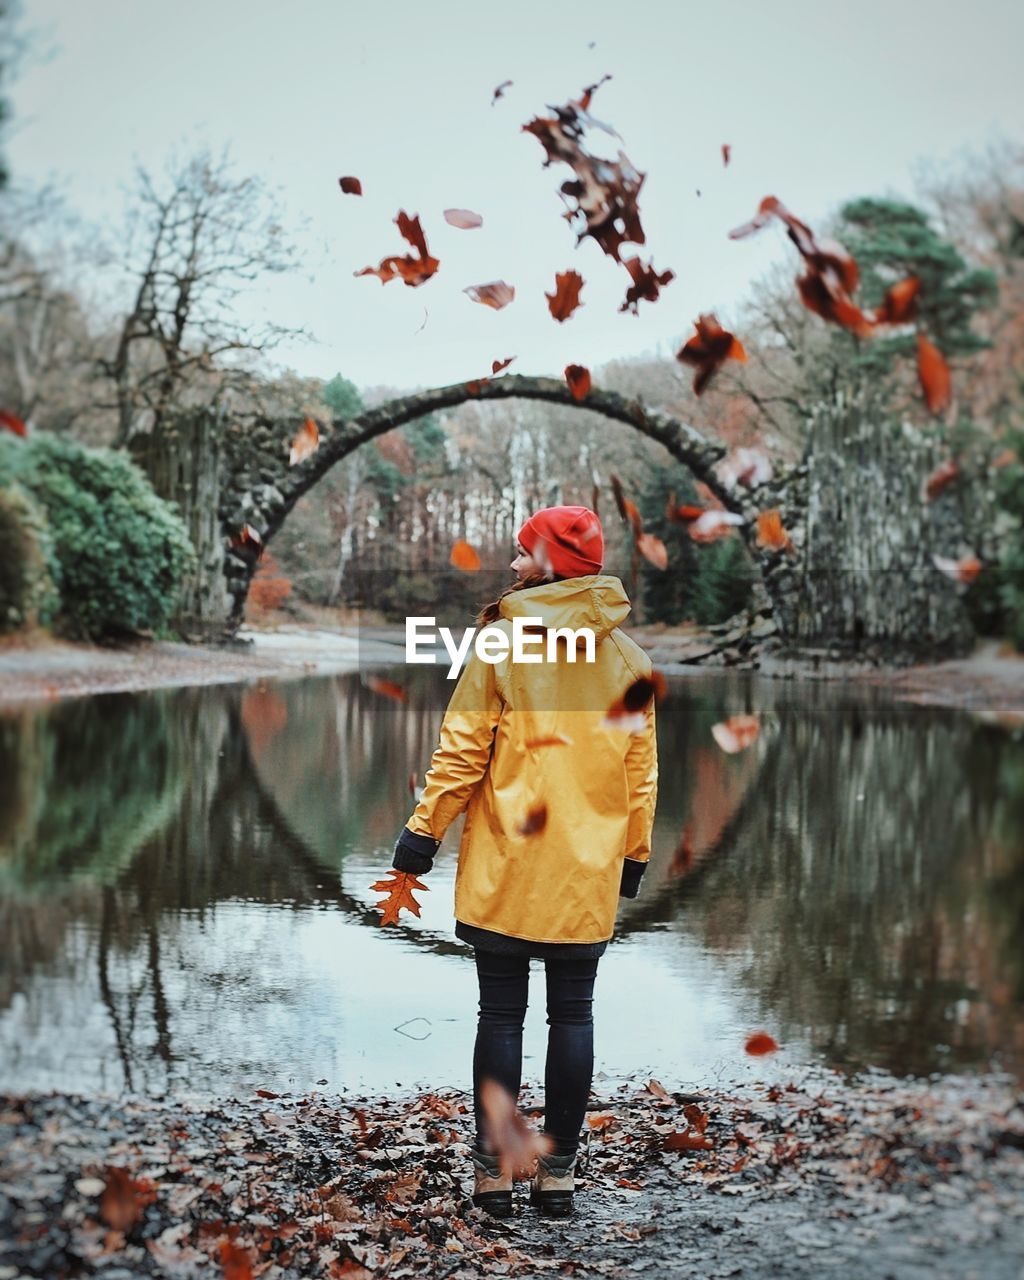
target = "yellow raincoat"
x: 561, y: 883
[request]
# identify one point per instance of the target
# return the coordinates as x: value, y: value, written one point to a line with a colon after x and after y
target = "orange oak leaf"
x: 653, y: 550
x: 708, y: 350
x: 414, y: 271
x: 899, y: 303
x: 647, y: 284
x: 306, y: 442
x: 933, y: 372
x: 236, y: 1260
x: 351, y: 186
x: 512, y: 1139
x: 497, y: 294
x: 578, y: 378
x: 398, y: 887
x: 566, y: 297
x: 770, y: 532
x: 465, y: 557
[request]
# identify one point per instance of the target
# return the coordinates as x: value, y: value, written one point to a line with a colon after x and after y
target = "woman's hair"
x: 492, y: 612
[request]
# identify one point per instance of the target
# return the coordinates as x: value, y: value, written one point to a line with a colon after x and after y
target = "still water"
x: 185, y: 895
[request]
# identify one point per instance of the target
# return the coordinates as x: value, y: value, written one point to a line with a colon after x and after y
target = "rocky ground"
x: 876, y: 1179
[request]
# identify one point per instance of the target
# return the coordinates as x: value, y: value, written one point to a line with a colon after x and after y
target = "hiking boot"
x: 553, y: 1184
x: 492, y: 1189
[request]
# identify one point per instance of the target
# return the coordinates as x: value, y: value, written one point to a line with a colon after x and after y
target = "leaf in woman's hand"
x: 399, y: 890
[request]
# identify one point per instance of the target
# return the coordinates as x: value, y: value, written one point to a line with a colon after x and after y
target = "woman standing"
x: 559, y: 809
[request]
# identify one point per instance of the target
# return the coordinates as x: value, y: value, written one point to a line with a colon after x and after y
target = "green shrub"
x: 122, y: 551
x: 28, y: 566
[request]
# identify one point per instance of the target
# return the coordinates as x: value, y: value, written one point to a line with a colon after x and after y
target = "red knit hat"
x: 568, y: 539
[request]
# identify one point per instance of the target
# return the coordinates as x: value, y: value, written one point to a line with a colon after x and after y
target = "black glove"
x: 414, y: 852
x: 632, y: 873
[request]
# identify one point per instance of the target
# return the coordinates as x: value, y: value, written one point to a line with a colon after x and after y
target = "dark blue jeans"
x: 498, y: 1053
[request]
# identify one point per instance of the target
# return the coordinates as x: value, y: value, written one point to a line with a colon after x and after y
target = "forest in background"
x: 106, y: 332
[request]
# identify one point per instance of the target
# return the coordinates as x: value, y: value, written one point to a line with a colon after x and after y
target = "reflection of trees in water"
x: 856, y: 889
x: 848, y: 858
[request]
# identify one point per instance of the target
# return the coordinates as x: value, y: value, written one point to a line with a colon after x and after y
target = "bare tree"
x: 198, y: 240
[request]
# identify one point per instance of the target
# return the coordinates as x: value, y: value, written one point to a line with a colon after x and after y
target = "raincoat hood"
x: 596, y: 600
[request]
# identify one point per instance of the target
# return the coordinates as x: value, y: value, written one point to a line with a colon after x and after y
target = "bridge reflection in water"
x: 185, y: 902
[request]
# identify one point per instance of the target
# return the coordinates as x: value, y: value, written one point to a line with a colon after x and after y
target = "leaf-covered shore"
x: 875, y: 1177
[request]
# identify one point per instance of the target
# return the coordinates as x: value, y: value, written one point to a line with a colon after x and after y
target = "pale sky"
x: 820, y: 100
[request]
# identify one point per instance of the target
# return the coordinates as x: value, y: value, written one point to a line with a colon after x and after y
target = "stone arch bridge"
x: 861, y: 578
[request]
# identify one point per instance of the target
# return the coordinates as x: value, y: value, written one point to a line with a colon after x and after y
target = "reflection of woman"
x: 559, y: 810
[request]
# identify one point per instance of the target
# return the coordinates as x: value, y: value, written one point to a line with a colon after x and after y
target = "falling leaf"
x: 498, y: 365
x: 687, y: 1140
x: 736, y: 733
x: 941, y: 478
x: 899, y: 303
x: 551, y: 740
x: 726, y: 154
x: 709, y: 349
x: 760, y: 1043
x: 744, y: 465
x: 627, y: 712
x: 499, y: 92
x: 512, y: 1139
x: 306, y: 442
x: 653, y: 550
x: 697, y: 1118
x: 647, y: 284
x: 464, y: 219
x: 1005, y: 458
x: 964, y: 570
x: 11, y: 422
x: 683, y: 513
x: 934, y: 374
x: 464, y: 557
x: 248, y: 539
x: 414, y: 271
x: 831, y: 272
x: 627, y: 509
x: 351, y: 186
x: 578, y: 378
x: 713, y: 525
x: 770, y: 532
x: 535, y: 821
x: 497, y: 294
x: 398, y: 887
x: 387, y: 688
x: 566, y: 297
x: 601, y: 202
x: 124, y: 1199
